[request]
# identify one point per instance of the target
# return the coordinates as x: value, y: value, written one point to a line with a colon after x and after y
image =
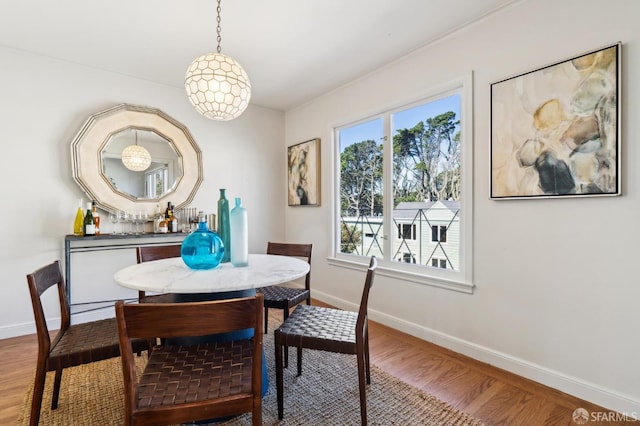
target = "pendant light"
x: 217, y: 85
x: 136, y: 157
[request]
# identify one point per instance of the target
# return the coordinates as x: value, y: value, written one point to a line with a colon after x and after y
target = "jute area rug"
x: 325, y: 394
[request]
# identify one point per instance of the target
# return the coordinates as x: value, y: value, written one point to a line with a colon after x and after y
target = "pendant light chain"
x: 219, y: 29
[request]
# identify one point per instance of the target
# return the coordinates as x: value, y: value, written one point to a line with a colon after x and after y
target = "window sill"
x: 388, y: 271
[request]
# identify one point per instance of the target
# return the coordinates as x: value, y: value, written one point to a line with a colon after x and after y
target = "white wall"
x: 44, y: 103
x: 557, y: 293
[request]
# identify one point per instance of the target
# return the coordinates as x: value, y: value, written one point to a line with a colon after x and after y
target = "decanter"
x: 202, y: 249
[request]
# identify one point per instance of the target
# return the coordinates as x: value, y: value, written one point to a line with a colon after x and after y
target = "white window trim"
x: 461, y: 281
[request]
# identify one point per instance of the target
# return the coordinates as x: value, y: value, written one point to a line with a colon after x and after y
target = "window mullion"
x: 387, y: 190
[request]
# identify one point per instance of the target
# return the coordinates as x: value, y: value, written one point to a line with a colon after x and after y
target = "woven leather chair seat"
x: 283, y: 297
x: 168, y: 378
x: 88, y: 342
x: 321, y: 328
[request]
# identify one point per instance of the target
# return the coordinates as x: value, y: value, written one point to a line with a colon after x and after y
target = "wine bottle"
x: 78, y: 224
x: 89, y: 224
x: 172, y: 222
x: 96, y: 216
x: 239, y: 235
x: 157, y: 218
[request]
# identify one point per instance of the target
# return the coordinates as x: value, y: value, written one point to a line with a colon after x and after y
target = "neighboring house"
x: 428, y: 233
x: 363, y: 235
x: 425, y: 232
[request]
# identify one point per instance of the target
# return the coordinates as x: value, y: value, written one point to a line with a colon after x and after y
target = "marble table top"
x: 174, y: 276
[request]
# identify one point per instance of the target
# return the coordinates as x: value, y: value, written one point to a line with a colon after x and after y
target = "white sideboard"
x: 91, y: 262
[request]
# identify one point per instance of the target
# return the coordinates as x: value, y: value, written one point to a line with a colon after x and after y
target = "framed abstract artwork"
x: 555, y: 131
x: 303, y: 169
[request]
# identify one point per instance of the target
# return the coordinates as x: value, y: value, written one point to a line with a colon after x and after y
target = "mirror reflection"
x: 155, y: 181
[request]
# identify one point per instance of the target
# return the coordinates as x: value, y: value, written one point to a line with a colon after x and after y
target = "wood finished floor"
x: 492, y: 395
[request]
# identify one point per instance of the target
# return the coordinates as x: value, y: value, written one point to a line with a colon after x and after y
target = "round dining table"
x: 225, y: 281
x: 174, y: 276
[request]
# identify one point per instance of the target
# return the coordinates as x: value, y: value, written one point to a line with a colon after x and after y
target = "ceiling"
x: 293, y: 50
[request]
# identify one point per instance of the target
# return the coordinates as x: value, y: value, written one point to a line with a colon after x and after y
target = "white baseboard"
x: 16, y: 330
x: 574, y: 386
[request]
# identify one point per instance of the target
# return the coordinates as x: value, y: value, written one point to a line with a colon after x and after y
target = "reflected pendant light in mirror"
x: 217, y: 85
x: 136, y: 157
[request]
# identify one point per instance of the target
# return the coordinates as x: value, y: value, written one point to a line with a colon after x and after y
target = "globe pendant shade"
x: 136, y: 158
x: 218, y: 87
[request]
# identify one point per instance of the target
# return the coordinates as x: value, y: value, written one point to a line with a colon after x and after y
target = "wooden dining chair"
x: 72, y: 345
x: 149, y: 253
x: 331, y: 330
x: 182, y: 383
x: 283, y: 297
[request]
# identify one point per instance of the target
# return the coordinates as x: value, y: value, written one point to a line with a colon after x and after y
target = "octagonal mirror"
x: 172, y: 173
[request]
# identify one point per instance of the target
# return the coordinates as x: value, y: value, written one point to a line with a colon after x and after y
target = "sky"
x: 405, y: 119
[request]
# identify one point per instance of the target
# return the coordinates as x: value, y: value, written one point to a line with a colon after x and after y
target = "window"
x: 439, y: 236
x: 408, y: 258
x: 439, y: 263
x: 408, y: 232
x: 403, y: 189
x: 156, y: 181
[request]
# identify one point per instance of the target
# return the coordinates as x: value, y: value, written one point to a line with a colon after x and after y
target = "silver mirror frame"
x: 95, y: 133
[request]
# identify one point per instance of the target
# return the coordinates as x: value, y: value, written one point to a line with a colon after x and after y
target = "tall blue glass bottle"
x: 202, y: 249
x: 239, y: 235
x: 224, y: 227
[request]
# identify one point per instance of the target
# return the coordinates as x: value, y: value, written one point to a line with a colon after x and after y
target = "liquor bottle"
x: 157, y: 218
x: 202, y: 249
x: 239, y: 235
x: 96, y: 216
x: 89, y: 224
x: 173, y: 224
x: 168, y: 214
x: 78, y: 224
x: 223, y: 225
x: 162, y: 226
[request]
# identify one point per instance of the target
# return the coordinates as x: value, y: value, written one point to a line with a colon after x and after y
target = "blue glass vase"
x: 224, y: 228
x: 202, y: 249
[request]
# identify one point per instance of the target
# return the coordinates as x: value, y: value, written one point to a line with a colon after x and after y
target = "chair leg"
x: 56, y: 389
x: 256, y: 413
x: 266, y: 319
x: 360, y: 353
x: 36, y: 399
x: 279, y: 378
x: 299, y: 360
x: 285, y: 313
x: 366, y: 357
